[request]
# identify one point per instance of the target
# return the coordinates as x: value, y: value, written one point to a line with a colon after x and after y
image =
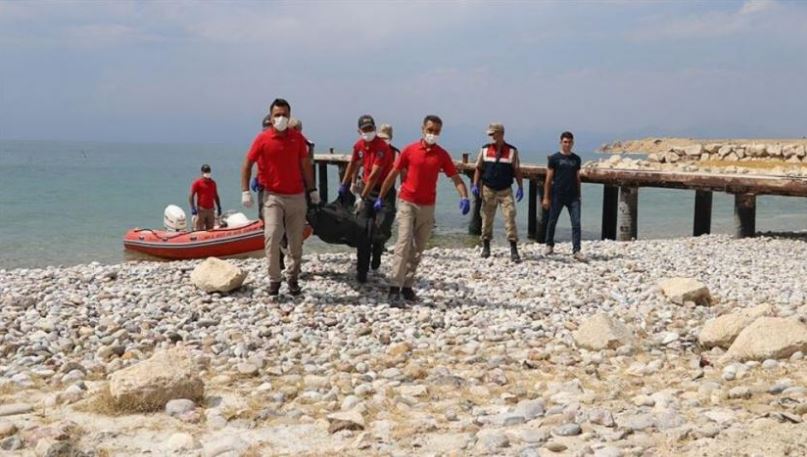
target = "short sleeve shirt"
x: 376, y: 152
x: 564, y: 182
x: 423, y: 164
x: 205, y: 190
x: 278, y: 157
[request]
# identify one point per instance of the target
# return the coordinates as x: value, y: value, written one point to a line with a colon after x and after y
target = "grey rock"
x: 13, y: 409
x: 567, y: 430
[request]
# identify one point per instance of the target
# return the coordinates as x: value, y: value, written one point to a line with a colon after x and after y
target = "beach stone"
x: 602, y: 332
x: 678, y: 290
x: 555, y: 446
x: 346, y: 420
x: 150, y: 384
x: 601, y: 417
x: 723, y: 330
x: 13, y: 409
x: 530, y: 409
x: 216, y: 275
x: 7, y: 429
x: 769, y: 338
x: 608, y: 451
x: 12, y: 443
x: 182, y: 442
x: 491, y: 440
x: 740, y: 392
x: 179, y: 406
x: 567, y: 430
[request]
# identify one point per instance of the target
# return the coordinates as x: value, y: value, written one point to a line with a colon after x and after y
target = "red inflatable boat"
x: 221, y: 242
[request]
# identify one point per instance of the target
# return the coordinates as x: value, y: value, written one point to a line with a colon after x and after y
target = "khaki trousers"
x: 415, y: 224
x: 490, y: 200
x: 205, y: 219
x: 283, y: 215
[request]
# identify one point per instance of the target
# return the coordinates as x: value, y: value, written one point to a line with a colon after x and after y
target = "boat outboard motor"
x: 174, y: 219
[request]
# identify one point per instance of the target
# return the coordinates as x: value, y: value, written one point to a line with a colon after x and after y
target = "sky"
x: 206, y: 72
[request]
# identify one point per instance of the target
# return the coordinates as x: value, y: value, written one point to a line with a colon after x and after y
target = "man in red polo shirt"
x: 423, y: 161
x: 284, y: 171
x: 204, y: 189
x: 375, y: 157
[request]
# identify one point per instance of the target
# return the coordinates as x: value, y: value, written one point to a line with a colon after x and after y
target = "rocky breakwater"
x: 688, y: 347
x: 780, y: 159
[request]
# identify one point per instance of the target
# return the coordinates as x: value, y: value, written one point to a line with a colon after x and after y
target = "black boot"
x: 485, y: 249
x: 294, y: 287
x: 361, y: 276
x: 274, y: 288
x: 375, y: 263
x: 408, y: 294
x: 514, y: 252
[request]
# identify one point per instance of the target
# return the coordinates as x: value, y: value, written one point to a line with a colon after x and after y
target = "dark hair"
x: 566, y: 134
x: 281, y: 102
x: 205, y: 168
x: 434, y: 118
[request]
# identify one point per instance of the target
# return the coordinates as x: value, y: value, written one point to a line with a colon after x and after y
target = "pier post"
x: 702, y: 224
x: 610, y: 204
x: 475, y: 225
x: 745, y: 209
x: 542, y: 215
x: 532, y: 210
x: 628, y: 221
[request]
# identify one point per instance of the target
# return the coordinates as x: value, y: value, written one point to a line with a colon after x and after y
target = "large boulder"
x: 150, y: 384
x: 769, y: 338
x: 602, y: 332
x: 216, y: 275
x: 694, y: 151
x: 722, y: 330
x: 679, y: 290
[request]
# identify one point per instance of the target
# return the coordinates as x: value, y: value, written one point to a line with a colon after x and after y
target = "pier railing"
x: 620, y: 201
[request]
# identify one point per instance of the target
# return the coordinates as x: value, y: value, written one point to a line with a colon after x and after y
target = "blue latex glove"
x: 219, y: 211
x: 465, y: 206
x: 379, y: 203
x: 255, y: 185
x: 343, y: 188
x: 193, y: 211
x: 475, y: 190
x: 519, y: 194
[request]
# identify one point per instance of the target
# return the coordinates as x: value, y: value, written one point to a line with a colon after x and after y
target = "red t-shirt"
x: 376, y: 152
x: 278, y: 157
x: 423, y: 163
x: 206, y: 192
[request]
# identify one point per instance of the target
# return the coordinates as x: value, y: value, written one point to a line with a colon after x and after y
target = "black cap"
x: 267, y: 121
x: 205, y: 168
x: 366, y: 121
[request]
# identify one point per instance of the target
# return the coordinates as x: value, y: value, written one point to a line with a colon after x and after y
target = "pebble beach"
x: 550, y: 357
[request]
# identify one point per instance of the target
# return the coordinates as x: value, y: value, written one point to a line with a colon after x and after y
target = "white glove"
x: 358, y: 206
x: 246, y: 199
x: 313, y: 195
x: 357, y: 187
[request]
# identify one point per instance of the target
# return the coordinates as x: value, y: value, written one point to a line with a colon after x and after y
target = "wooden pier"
x: 620, y: 202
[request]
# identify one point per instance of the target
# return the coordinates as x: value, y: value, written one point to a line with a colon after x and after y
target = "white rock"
x: 216, y: 275
x: 769, y: 338
x: 346, y: 420
x: 722, y: 330
x: 679, y: 290
x: 602, y: 332
x: 150, y: 384
x: 182, y: 442
x: 694, y: 151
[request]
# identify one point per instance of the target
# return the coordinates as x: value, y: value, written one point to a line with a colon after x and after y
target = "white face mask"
x: 431, y: 138
x: 280, y: 123
x: 206, y: 175
x: 368, y: 136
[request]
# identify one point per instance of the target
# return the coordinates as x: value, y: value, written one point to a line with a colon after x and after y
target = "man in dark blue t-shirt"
x: 562, y: 188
